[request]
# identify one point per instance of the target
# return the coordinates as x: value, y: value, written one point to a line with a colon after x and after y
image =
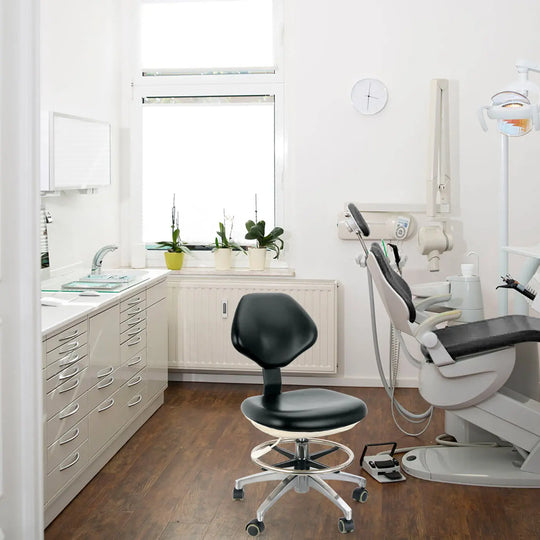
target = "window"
x: 208, y: 102
x: 203, y: 36
x: 216, y: 154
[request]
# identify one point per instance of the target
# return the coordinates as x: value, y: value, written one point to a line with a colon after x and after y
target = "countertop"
x: 72, y: 306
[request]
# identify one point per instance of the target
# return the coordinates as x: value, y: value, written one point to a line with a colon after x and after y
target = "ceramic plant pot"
x: 223, y: 258
x: 257, y: 258
x: 174, y: 261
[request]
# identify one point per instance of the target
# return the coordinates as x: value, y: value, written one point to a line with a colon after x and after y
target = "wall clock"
x: 369, y: 96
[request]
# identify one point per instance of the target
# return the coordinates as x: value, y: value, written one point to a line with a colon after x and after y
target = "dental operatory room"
x: 269, y: 268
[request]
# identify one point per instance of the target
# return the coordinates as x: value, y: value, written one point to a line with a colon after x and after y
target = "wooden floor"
x: 174, y: 480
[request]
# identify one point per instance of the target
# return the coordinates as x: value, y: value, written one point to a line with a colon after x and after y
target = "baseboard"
x: 242, y: 378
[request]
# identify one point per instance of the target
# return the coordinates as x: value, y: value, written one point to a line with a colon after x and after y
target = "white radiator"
x: 201, y: 313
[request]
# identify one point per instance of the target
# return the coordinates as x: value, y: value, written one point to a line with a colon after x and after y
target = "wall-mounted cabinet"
x: 75, y: 152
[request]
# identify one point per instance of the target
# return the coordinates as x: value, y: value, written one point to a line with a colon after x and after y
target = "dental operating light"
x: 516, y: 109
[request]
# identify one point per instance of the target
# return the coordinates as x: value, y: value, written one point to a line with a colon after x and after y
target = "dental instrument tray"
x: 85, y: 285
x: 384, y: 467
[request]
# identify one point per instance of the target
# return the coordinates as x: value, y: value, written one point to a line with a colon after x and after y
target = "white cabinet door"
x: 157, y: 351
x: 104, y: 343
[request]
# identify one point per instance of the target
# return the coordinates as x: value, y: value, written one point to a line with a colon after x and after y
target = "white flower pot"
x: 223, y: 258
x: 257, y: 258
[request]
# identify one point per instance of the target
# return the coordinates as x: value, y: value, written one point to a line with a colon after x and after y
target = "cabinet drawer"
x: 132, y: 346
x: 156, y: 293
x: 66, y: 444
x: 66, y: 419
x: 104, y: 389
x: 73, y: 332
x: 132, y: 366
x: 133, y: 321
x: 64, y: 351
x: 105, y: 421
x: 133, y: 331
x: 134, y: 395
x: 132, y: 301
x: 132, y: 311
x: 68, y: 391
x: 66, y: 471
x: 62, y: 370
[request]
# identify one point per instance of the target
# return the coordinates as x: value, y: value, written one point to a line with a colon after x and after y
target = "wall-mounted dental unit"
x: 516, y: 109
x: 433, y: 238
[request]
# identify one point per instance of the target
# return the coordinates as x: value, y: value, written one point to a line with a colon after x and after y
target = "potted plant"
x: 174, y: 256
x: 224, y: 245
x: 264, y: 243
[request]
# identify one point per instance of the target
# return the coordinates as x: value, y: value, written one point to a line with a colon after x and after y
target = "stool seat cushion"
x: 310, y: 409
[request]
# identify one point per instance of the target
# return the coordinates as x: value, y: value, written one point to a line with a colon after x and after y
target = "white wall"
x: 336, y: 155
x: 80, y: 75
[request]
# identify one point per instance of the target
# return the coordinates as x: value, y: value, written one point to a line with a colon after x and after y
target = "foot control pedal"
x: 383, y: 467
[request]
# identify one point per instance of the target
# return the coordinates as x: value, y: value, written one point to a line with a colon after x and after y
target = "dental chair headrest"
x: 359, y: 219
x: 394, y: 279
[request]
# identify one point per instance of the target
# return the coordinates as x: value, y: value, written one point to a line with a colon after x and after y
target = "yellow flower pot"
x: 174, y: 261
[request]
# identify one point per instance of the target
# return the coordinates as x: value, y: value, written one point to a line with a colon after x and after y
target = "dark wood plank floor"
x: 174, y: 479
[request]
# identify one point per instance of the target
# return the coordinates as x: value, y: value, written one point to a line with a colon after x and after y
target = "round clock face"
x: 369, y: 96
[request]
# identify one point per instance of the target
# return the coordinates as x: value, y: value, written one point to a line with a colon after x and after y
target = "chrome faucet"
x: 98, y: 259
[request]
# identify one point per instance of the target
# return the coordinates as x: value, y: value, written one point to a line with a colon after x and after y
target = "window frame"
x: 195, y: 86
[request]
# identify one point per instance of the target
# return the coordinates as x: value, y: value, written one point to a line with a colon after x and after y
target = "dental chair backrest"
x: 393, y: 290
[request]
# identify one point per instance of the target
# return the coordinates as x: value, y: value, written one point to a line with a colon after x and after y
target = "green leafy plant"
x: 176, y: 245
x: 271, y: 241
x: 223, y: 240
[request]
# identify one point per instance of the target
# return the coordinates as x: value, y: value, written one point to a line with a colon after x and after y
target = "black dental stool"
x: 272, y: 329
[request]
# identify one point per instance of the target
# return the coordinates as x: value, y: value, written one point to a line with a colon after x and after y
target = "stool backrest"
x: 272, y: 329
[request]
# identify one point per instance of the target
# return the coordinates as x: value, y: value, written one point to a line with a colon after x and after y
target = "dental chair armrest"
x: 425, y: 335
x: 426, y: 303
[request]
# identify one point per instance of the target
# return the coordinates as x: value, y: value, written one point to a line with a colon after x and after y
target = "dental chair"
x: 272, y: 329
x: 464, y: 371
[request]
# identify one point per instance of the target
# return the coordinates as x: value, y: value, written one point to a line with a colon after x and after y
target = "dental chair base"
x: 491, y: 467
x: 508, y: 415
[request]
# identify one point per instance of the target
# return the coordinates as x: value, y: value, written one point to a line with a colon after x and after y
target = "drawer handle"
x: 77, y: 457
x: 135, y: 331
x: 66, y: 338
x: 66, y: 373
x: 111, y: 403
x: 134, y: 341
x: 104, y: 372
x: 138, y: 400
x: 134, y: 301
x: 74, y: 385
x: 136, y: 321
x: 105, y: 384
x: 66, y: 362
x: 70, y: 413
x: 135, y: 361
x: 69, y: 347
x: 135, y: 310
x: 135, y: 381
x: 77, y: 433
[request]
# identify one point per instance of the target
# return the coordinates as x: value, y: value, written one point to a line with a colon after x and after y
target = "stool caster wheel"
x: 255, y: 527
x: 345, y: 525
x: 360, y: 495
x: 238, y: 494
